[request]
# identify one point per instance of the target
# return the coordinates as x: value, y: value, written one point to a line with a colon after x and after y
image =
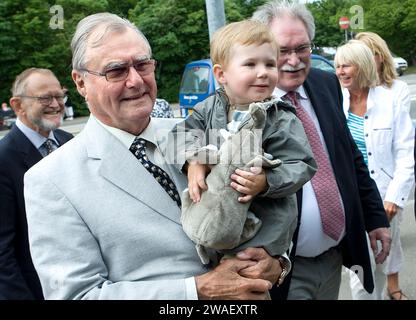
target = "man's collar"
x: 127, y: 138
x: 35, y: 137
x: 279, y: 93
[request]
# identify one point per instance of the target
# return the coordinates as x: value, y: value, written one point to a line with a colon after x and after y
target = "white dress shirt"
x: 312, y: 241
x: 36, y: 138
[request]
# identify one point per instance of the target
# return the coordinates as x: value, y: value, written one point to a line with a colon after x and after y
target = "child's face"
x: 251, y: 74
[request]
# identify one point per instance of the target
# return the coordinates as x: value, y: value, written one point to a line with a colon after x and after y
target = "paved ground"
x: 408, y: 238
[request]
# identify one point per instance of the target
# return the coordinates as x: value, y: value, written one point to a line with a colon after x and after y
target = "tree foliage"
x: 393, y: 20
x: 27, y: 40
x: 326, y: 15
x: 176, y: 29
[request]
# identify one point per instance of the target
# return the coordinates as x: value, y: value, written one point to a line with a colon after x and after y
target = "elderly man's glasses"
x: 301, y: 51
x: 46, y: 100
x: 121, y: 71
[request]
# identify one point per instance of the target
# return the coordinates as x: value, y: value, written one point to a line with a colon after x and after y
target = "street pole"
x: 346, y: 35
x: 215, y: 15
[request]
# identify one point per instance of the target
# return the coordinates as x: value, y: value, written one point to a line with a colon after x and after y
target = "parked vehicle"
x: 7, y: 119
x: 399, y: 64
x: 322, y: 63
x: 198, y: 81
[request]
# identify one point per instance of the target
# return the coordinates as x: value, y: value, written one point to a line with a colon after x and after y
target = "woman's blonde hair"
x: 356, y: 53
x: 246, y: 32
x: 379, y: 47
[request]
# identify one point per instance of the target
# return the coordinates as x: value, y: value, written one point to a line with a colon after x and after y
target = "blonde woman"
x: 383, y: 131
x: 401, y: 96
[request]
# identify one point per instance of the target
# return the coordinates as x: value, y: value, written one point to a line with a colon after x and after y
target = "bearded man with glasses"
x: 109, y: 227
x: 38, y: 103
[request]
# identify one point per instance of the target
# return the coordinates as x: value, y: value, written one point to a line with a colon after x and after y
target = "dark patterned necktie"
x: 138, y: 148
x: 323, y: 182
x: 48, y: 145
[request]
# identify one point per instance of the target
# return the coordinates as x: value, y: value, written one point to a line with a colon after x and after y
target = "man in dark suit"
x: 38, y: 103
x: 341, y: 203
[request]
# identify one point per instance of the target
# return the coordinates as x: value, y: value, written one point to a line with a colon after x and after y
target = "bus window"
x: 195, y: 80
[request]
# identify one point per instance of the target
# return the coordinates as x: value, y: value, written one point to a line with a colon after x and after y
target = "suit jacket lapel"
x: 23, y: 145
x: 60, y: 137
x: 318, y: 101
x: 119, y: 166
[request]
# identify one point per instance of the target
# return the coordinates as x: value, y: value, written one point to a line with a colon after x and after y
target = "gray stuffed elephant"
x: 219, y: 221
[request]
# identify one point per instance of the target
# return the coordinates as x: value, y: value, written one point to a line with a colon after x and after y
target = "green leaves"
x: 393, y: 20
x: 27, y: 40
x: 177, y: 31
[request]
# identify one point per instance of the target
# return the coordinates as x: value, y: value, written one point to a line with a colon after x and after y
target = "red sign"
x: 344, y: 22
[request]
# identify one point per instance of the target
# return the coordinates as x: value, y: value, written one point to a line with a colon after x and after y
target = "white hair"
x: 280, y: 8
x: 92, y: 30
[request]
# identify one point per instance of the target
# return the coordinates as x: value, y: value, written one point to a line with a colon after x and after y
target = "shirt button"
x: 366, y: 134
x: 372, y: 171
x: 366, y: 117
x: 369, y: 153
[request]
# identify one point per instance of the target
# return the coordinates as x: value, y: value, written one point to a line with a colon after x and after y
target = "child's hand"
x: 250, y: 183
x: 196, y: 180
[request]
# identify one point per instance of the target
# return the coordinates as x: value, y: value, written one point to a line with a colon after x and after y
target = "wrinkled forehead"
x: 42, y: 84
x: 289, y: 31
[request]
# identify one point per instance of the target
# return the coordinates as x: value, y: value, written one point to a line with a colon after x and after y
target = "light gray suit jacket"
x: 101, y: 227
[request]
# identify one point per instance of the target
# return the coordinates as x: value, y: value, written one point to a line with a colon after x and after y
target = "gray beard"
x: 45, y: 124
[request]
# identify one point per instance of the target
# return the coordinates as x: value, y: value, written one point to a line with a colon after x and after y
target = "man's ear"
x: 16, y: 104
x: 219, y: 74
x: 79, y: 82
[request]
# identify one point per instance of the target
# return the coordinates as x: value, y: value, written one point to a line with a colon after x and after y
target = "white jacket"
x: 389, y: 139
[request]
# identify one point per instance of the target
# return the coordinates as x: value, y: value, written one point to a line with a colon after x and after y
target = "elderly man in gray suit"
x: 103, y: 211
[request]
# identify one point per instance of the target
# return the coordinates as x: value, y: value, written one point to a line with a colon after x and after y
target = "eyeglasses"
x: 47, y: 100
x: 121, y: 71
x: 301, y: 51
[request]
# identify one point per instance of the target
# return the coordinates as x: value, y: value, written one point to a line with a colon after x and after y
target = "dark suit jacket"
x: 18, y: 278
x: 363, y: 205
